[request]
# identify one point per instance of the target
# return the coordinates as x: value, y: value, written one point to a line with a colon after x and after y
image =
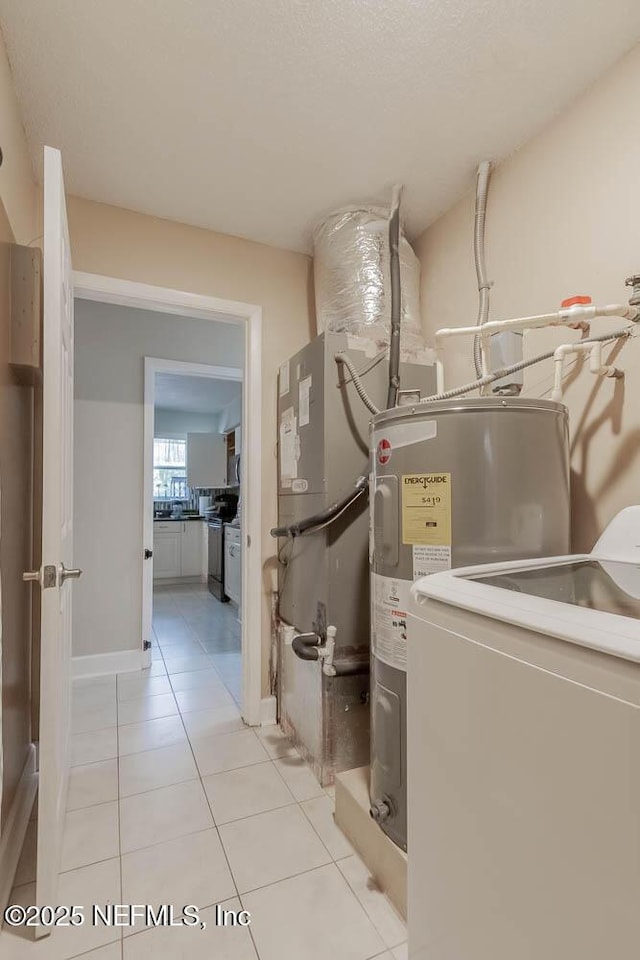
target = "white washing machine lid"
x: 589, y: 599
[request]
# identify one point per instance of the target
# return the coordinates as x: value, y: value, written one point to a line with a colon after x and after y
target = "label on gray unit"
x: 428, y: 558
x: 304, y: 391
x: 289, y: 451
x: 389, y: 610
x: 284, y: 379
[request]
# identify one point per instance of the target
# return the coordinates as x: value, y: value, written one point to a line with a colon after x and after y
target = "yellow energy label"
x: 426, y: 509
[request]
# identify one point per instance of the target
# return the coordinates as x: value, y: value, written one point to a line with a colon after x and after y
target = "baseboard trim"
x: 268, y: 711
x: 99, y: 664
x: 15, y: 828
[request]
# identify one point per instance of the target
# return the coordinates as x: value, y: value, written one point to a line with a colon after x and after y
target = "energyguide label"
x: 426, y: 520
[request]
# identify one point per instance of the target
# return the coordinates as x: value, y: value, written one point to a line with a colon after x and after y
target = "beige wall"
x: 119, y: 243
x: 133, y: 246
x: 563, y: 218
x: 17, y: 186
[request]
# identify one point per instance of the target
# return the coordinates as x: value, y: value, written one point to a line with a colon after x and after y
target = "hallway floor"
x: 173, y: 800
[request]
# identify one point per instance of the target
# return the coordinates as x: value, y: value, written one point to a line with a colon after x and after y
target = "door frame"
x: 129, y: 293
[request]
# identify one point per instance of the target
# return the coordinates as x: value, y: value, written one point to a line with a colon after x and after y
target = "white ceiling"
x: 256, y: 117
x: 195, y: 394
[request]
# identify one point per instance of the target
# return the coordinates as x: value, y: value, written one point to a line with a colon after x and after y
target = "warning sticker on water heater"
x: 426, y: 509
x: 390, y: 601
x: 428, y: 559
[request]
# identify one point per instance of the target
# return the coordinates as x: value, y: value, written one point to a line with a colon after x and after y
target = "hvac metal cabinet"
x: 323, y: 443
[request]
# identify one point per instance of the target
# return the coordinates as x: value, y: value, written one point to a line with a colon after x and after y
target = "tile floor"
x: 172, y: 799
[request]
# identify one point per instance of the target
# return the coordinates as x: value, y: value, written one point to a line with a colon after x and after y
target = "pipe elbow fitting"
x: 380, y: 810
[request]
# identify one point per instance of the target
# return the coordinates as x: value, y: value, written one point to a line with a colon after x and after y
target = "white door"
x: 57, y: 574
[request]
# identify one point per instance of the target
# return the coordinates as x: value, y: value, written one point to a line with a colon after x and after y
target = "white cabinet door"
x: 206, y: 460
x: 191, y: 557
x: 167, y: 542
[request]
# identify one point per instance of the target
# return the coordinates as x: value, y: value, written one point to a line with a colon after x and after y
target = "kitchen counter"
x: 176, y: 519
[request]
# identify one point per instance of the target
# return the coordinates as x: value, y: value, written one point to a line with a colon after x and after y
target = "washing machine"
x: 524, y: 757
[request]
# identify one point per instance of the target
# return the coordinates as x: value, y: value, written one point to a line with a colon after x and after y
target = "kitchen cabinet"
x: 206, y: 460
x: 233, y: 564
x: 167, y: 542
x: 191, y: 552
x: 178, y: 549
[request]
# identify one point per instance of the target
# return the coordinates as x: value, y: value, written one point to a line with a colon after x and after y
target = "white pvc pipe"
x: 595, y: 364
x: 564, y: 317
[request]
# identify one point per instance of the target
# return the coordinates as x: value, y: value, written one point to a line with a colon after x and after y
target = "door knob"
x: 69, y: 574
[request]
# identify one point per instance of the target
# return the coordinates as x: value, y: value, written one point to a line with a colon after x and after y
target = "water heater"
x: 453, y: 483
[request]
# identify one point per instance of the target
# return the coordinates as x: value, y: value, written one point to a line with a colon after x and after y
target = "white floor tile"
x: 191, y: 869
x: 97, y: 884
x: 195, y: 679
x: 180, y: 943
x: 113, y: 951
x: 171, y: 630
x: 401, y: 952
x: 92, y: 783
x: 285, y: 922
x: 133, y: 686
x: 217, y: 720
x: 299, y: 777
x: 151, y: 769
x: 187, y: 664
x: 95, y: 746
x: 182, y: 648
x: 160, y: 815
x: 157, y: 668
x: 319, y: 811
x: 90, y: 835
x: 203, y: 698
x: 147, y: 708
x: 94, y: 717
x: 387, y: 922
x: 245, y: 792
x: 99, y: 690
x: 270, y: 847
x: 227, y: 751
x: 150, y: 735
x: 275, y: 742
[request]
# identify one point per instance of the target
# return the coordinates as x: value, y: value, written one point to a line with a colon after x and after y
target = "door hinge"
x: 148, y: 554
x: 147, y: 645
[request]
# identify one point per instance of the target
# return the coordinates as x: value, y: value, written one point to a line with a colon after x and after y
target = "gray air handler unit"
x: 323, y: 576
x: 454, y: 483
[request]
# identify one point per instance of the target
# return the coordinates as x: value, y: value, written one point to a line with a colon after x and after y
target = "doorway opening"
x: 242, y: 378
x: 195, y: 472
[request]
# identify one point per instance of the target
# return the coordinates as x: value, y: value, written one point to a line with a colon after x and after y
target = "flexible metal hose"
x: 357, y: 382
x: 482, y: 189
x: 317, y: 521
x: 514, y: 368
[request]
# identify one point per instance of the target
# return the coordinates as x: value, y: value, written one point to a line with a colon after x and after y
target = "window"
x: 169, y: 469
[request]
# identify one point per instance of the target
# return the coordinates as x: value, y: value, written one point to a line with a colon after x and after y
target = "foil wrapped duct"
x: 352, y: 279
